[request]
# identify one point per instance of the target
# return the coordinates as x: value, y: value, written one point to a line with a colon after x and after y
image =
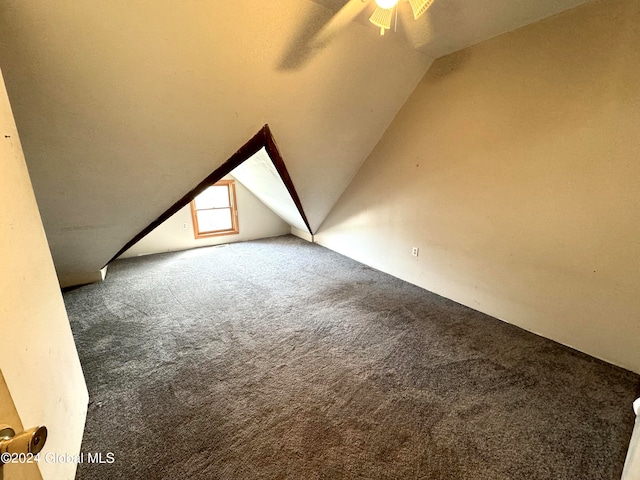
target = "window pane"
x: 214, y: 220
x: 213, y: 197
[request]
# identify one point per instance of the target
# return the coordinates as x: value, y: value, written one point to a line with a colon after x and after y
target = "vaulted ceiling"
x: 123, y: 106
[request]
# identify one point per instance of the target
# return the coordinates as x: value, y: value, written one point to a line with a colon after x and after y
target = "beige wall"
x: 514, y: 167
x: 255, y: 220
x: 39, y: 359
x: 258, y: 174
x: 72, y: 279
x: 303, y: 234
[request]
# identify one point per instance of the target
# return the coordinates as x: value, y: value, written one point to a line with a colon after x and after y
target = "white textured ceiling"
x: 124, y: 106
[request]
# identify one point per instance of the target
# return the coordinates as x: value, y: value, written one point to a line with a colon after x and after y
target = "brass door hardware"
x: 27, y: 442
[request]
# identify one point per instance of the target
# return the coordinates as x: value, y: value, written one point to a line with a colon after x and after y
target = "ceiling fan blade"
x: 382, y: 18
x: 339, y: 22
x: 318, y: 34
x: 417, y: 33
x: 419, y: 7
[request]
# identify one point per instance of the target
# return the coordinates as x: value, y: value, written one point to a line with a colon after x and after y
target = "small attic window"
x: 214, y: 211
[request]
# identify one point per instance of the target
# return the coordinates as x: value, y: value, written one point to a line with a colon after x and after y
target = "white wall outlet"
x: 184, y: 226
x: 414, y: 251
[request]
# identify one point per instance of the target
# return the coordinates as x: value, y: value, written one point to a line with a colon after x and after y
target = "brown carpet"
x: 281, y: 359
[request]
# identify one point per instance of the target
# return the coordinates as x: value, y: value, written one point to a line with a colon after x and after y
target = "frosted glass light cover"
x: 386, y: 3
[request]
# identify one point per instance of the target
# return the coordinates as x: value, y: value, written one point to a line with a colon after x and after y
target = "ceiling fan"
x: 382, y: 16
x: 314, y: 37
x: 383, y: 13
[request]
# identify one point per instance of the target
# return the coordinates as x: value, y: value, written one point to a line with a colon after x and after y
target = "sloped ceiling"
x: 259, y: 175
x: 124, y: 106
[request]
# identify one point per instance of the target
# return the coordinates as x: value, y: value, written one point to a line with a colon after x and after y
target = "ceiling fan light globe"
x: 386, y: 4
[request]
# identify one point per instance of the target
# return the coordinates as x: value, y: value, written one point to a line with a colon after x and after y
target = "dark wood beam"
x: 276, y: 158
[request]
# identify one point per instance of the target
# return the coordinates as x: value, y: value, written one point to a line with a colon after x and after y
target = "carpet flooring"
x: 280, y: 359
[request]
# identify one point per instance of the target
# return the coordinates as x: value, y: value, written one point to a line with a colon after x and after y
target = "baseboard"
x: 302, y: 234
x: 75, y: 279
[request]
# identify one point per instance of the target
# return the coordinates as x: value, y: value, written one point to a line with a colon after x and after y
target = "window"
x: 214, y: 210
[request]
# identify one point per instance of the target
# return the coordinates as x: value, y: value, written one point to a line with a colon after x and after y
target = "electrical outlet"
x: 184, y: 226
x: 414, y: 251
